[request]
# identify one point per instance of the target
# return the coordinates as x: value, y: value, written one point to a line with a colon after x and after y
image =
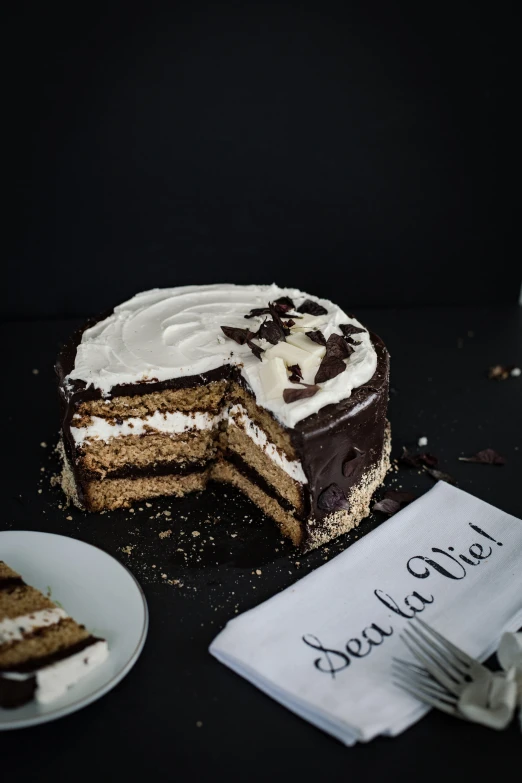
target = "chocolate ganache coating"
x: 341, y: 442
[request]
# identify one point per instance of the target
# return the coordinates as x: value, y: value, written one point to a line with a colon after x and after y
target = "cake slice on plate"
x: 43, y: 651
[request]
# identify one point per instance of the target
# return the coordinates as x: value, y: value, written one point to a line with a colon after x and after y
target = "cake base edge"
x: 343, y: 521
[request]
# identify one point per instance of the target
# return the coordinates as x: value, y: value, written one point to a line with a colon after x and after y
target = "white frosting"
x: 13, y: 628
x: 170, y: 423
x: 52, y: 681
x: 292, y: 468
x: 175, y: 332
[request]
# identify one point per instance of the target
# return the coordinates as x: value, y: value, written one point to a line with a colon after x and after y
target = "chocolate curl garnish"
x: 393, y: 501
x: 282, y: 305
x: 417, y: 460
x: 258, y: 311
x: 336, y: 347
x: 293, y: 395
x: 278, y: 321
x: 256, y: 349
x: 317, y: 337
x: 329, y: 368
x: 270, y: 331
x: 312, y: 308
x: 438, y: 475
x: 485, y: 457
x: 239, y: 336
x: 349, y: 329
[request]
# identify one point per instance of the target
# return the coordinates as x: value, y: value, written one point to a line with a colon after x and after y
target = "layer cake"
x: 43, y: 651
x: 274, y: 391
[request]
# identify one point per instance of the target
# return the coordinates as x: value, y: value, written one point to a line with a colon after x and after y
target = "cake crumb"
x: 164, y: 576
x: 149, y: 505
x: 127, y: 550
x: 43, y: 444
x: 165, y: 533
x: 196, y: 533
x: 35, y: 371
x: 69, y: 518
x: 515, y: 372
x: 258, y: 571
x: 423, y: 441
x: 167, y: 513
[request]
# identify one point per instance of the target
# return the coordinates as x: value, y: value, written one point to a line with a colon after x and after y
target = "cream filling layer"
x: 170, y: 423
x: 239, y: 415
x: 177, y: 423
x: 13, y: 628
x: 53, y: 681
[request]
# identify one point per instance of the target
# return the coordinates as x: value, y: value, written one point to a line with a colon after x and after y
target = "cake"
x: 43, y: 651
x: 279, y: 393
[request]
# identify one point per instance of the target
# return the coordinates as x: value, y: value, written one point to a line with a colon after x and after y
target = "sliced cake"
x: 43, y: 651
x: 272, y: 390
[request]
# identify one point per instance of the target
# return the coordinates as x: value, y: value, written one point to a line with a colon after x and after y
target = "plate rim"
x: 118, y: 677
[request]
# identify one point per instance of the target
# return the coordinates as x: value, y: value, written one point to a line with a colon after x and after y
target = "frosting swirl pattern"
x: 175, y: 332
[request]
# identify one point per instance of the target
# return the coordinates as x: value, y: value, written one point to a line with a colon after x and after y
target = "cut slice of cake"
x: 272, y: 390
x: 43, y: 651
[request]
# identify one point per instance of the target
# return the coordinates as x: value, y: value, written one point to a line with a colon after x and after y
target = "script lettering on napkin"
x: 421, y: 567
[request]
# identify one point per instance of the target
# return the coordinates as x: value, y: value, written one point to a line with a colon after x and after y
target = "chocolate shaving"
x: 317, y: 336
x: 258, y: 311
x: 333, y: 499
x: 417, y: 460
x: 393, y: 501
x: 387, y: 506
x: 438, y: 475
x: 292, y: 395
x: 271, y: 332
x: 295, y: 370
x: 289, y: 323
x: 256, y: 349
x: 312, y: 308
x: 278, y: 320
x: 234, y: 333
x: 283, y: 304
x: 337, y: 348
x: 329, y: 368
x: 400, y: 497
x: 332, y: 363
x: 485, y: 457
x: 349, y: 329
x: 352, y: 462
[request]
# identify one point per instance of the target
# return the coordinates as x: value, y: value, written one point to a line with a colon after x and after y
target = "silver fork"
x: 445, y: 670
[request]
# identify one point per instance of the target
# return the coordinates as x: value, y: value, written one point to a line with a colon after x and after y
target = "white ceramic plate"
x: 95, y: 590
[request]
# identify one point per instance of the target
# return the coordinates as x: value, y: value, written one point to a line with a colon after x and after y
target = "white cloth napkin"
x: 323, y: 647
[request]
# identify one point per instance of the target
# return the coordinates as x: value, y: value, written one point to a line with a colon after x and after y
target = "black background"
x: 361, y: 151
x: 366, y: 147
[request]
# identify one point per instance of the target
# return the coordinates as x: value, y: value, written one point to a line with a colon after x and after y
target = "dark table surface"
x: 180, y: 714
